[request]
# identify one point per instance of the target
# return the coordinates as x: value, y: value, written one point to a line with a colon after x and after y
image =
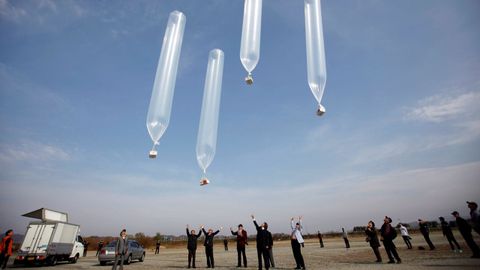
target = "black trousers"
x: 3, y: 260
x: 377, y: 254
x: 210, y: 260
x: 191, y: 257
x: 270, y: 256
x: 297, y: 253
x: 347, y: 243
x: 240, y: 254
x: 391, y: 250
x: 119, y: 259
x: 427, y: 239
x: 471, y: 244
x: 157, y: 250
x: 263, y: 252
x: 407, y: 241
x: 451, y: 240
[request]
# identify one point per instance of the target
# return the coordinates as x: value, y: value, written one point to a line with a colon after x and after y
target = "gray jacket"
x: 122, y: 246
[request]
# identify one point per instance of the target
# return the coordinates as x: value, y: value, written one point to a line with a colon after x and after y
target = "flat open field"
x: 333, y: 256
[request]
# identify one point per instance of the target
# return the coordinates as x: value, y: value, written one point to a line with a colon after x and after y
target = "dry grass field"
x: 333, y: 256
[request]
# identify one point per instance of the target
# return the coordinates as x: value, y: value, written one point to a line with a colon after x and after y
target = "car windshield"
x: 112, y: 244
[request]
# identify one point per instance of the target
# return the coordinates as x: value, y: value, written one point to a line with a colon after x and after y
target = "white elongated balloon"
x: 163, y: 88
x: 207, y: 131
x: 316, y: 67
x: 250, y: 46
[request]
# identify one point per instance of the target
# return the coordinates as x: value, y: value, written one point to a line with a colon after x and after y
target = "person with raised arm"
x: 192, y: 245
x: 372, y: 239
x: 297, y: 242
x: 388, y: 233
x: 241, y: 243
x: 262, y: 244
x: 209, y: 246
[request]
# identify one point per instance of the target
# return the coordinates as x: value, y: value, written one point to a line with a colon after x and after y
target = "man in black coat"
x: 466, y: 231
x: 447, y: 233
x: 426, y: 233
x: 263, y: 244
x: 388, y: 233
x: 192, y: 246
x: 209, y: 246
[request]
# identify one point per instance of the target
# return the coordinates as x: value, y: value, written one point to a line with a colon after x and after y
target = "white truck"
x: 50, y: 240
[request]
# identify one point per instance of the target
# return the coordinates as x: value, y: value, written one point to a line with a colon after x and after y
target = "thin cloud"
x: 11, y: 13
x: 31, y: 152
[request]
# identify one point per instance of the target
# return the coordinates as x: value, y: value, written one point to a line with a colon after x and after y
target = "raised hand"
x: 253, y: 217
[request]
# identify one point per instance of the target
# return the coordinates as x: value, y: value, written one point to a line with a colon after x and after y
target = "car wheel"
x: 103, y: 263
x: 52, y: 260
x: 142, y: 258
x: 129, y: 259
x: 75, y: 259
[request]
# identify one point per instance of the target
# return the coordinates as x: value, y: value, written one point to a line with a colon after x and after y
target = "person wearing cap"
x: 425, y: 232
x: 297, y: 242
x: 192, y: 245
x: 447, y: 233
x: 406, y: 237
x: 263, y: 244
x: 372, y: 239
x: 388, y: 233
x: 209, y: 246
x: 466, y: 231
x: 241, y: 243
x: 474, y: 217
x: 121, y: 249
x: 6, y: 248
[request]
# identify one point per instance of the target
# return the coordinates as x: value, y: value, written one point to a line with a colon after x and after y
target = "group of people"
x: 388, y: 234
x: 264, y: 243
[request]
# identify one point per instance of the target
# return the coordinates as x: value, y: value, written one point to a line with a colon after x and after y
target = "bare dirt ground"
x: 333, y: 256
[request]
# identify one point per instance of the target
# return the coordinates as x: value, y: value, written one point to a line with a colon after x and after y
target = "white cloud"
x: 443, y: 107
x: 31, y: 152
x: 10, y: 12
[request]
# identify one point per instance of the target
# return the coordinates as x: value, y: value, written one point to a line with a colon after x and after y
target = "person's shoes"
x: 378, y: 261
x: 297, y: 267
x: 239, y: 265
x: 188, y: 266
x: 391, y: 261
x: 399, y: 261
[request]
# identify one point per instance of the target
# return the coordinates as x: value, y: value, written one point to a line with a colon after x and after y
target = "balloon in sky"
x: 316, y: 67
x: 163, y: 88
x: 207, y: 131
x: 250, y: 47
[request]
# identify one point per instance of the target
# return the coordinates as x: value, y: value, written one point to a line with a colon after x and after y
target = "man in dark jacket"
x: 241, y: 242
x: 121, y: 249
x: 99, y: 248
x: 426, y: 233
x: 474, y: 217
x: 466, y: 231
x: 192, y: 246
x: 372, y: 238
x: 209, y: 246
x: 447, y: 233
x: 388, y: 233
x: 263, y: 244
x: 320, y: 239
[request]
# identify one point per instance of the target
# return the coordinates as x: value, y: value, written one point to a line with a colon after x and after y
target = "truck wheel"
x: 52, y: 260
x: 75, y: 259
x: 103, y: 263
x: 142, y: 258
x: 129, y: 259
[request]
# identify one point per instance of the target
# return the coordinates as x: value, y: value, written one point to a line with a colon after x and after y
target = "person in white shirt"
x: 406, y: 237
x: 297, y: 242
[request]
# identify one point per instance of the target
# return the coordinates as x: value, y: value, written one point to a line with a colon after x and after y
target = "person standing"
x: 225, y: 243
x: 99, y: 248
x: 192, y: 245
x: 241, y: 243
x: 121, y: 249
x: 320, y: 239
x: 345, y: 238
x: 209, y: 246
x: 262, y: 244
x: 447, y: 233
x: 372, y: 239
x: 85, y: 248
x: 270, y: 246
x: 297, y: 242
x: 406, y: 237
x: 6, y: 248
x: 157, y: 246
x: 388, y: 233
x: 474, y: 217
x: 426, y: 232
x: 466, y: 231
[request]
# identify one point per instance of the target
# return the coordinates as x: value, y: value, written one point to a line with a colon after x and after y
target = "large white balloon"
x: 250, y: 46
x: 316, y: 67
x: 207, y: 131
x: 163, y: 88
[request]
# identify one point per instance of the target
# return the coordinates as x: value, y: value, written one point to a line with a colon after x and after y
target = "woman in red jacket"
x: 6, y: 249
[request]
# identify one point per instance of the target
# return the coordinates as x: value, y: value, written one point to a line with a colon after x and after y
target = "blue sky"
x: 401, y: 136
